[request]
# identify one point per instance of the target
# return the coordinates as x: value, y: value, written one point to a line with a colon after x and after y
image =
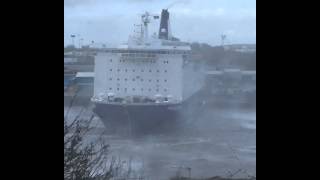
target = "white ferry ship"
x: 147, y: 81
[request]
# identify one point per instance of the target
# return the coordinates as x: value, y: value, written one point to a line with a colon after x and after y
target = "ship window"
x: 110, y: 60
x: 142, y: 70
x: 126, y: 70
x: 165, y: 90
x: 141, y: 89
x: 150, y: 70
x: 165, y: 70
x: 110, y: 79
x: 157, y: 80
x: 133, y: 89
x: 149, y: 89
x: 133, y: 79
x: 110, y: 88
x: 118, y: 79
x: 157, y: 90
x: 110, y: 69
x: 165, y: 80
x: 118, y: 70
x: 125, y: 89
x: 149, y: 80
x: 158, y: 70
x: 125, y: 79
x: 118, y: 89
x: 141, y: 79
x: 133, y: 70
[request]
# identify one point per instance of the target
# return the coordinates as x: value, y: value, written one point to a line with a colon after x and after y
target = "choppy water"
x: 219, y: 142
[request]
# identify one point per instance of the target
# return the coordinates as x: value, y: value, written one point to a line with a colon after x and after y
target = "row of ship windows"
x: 149, y: 51
x: 138, y: 60
x: 133, y: 70
x: 133, y: 79
x: 144, y: 60
x: 142, y: 89
x: 137, y: 55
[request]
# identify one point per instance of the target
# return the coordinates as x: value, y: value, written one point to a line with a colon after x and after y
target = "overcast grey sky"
x: 111, y: 21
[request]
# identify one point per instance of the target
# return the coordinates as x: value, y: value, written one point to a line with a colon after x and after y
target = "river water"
x: 220, y: 142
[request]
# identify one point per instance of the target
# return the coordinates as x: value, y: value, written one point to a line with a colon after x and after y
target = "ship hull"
x: 138, y: 118
x: 150, y: 118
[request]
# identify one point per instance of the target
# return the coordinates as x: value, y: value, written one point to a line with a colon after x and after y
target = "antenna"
x: 145, y: 18
x: 223, y: 38
x: 80, y: 42
x: 72, y: 37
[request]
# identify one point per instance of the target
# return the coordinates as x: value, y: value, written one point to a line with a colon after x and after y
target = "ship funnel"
x: 164, y: 25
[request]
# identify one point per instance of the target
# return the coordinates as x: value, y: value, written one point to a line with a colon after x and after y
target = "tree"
x: 85, y: 159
